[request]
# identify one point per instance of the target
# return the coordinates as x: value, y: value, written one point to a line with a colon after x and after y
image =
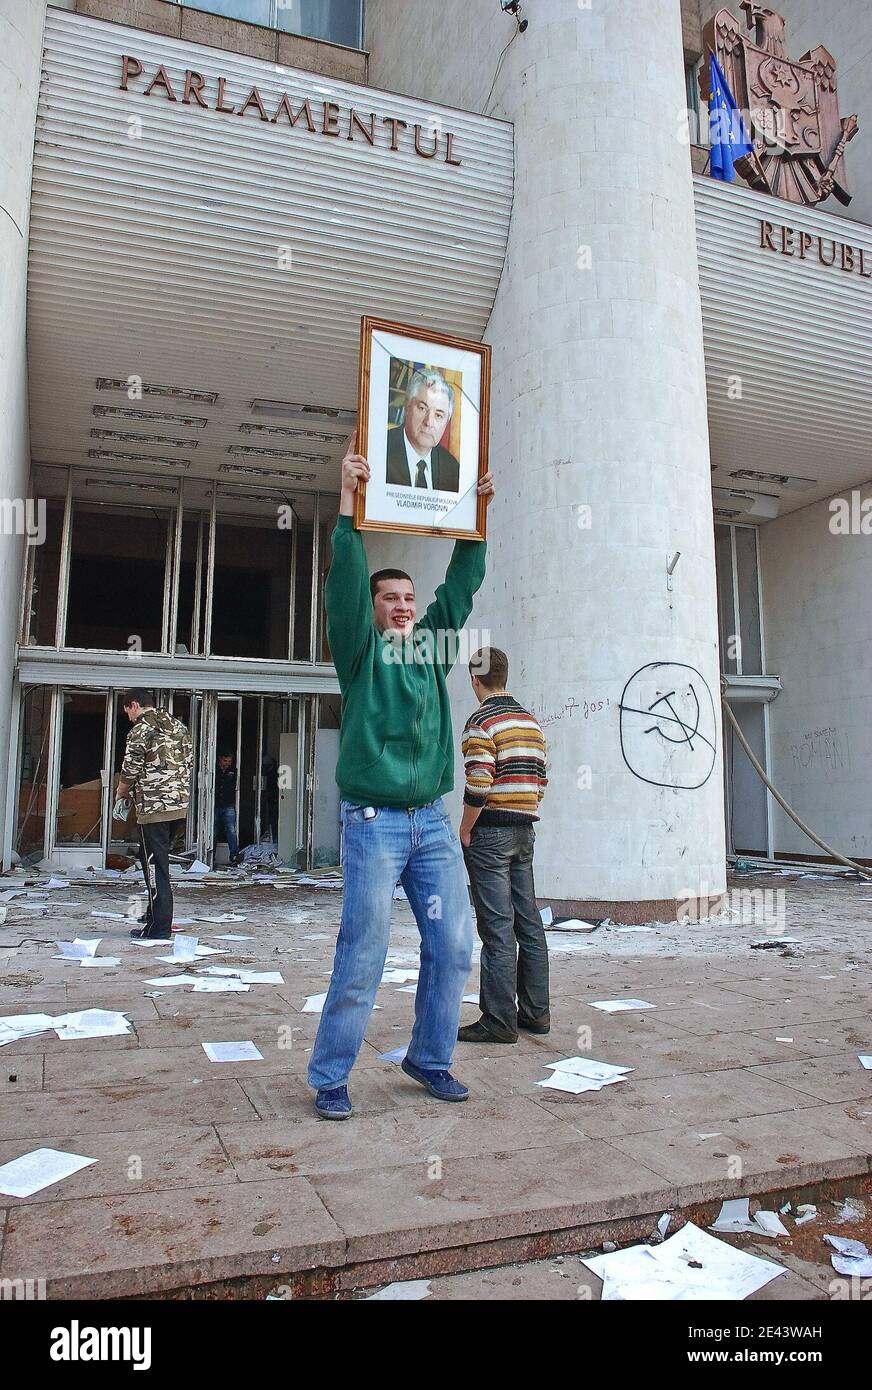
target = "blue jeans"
x: 419, y: 848
x: 225, y: 818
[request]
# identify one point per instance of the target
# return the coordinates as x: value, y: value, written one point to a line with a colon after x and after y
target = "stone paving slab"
x: 104, y: 1109
x: 409, y: 1135
x: 403, y: 1210
x: 140, y: 1160
x: 160, y: 1240
x: 829, y: 1078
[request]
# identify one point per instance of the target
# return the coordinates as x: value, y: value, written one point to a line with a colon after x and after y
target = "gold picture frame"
x: 402, y: 365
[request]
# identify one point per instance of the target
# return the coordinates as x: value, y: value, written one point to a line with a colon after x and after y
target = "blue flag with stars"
x: 727, y: 129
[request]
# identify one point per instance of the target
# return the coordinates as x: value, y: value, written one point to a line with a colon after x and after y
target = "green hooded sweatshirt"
x: 396, y: 746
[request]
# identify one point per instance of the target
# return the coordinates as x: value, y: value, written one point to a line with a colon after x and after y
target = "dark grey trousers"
x: 514, y: 953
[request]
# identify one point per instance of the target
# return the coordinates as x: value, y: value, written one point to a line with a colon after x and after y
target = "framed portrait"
x: 423, y: 421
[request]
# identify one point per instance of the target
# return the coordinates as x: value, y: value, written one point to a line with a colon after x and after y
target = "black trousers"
x: 514, y: 952
x: 154, y: 856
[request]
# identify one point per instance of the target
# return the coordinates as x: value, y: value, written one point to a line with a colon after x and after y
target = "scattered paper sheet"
x: 232, y: 936
x: 232, y: 1052
x: 251, y: 977
x: 198, y: 867
x: 620, y: 1006
x: 404, y: 1291
x: 690, y: 1265
x: 314, y: 1003
x: 78, y: 949
x: 113, y: 916
x: 396, y: 1054
x: 575, y: 924
x: 398, y: 977
x: 97, y: 961
x: 58, y: 883
x: 173, y: 980
x: 589, y: 1067
x: 734, y: 1216
x: 220, y: 986
x: 222, y: 917
x: 318, y: 936
x: 558, y: 945
x: 547, y: 916
x: 470, y: 999
x: 634, y: 929
x: 806, y: 1211
x: 569, y: 1081
x: 91, y: 1023
x: 852, y: 1257
x: 865, y: 1061
x: 33, y: 1171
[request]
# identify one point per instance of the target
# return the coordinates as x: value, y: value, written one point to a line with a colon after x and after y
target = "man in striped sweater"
x: 504, y: 752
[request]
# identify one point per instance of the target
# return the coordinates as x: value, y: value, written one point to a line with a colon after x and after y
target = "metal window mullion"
x: 210, y: 572
x: 175, y: 583
x: 64, y: 569
x: 167, y: 588
x: 52, y: 779
x: 13, y: 770
x: 293, y: 586
x: 737, y: 617
x: 198, y: 591
x: 258, y: 829
x: 106, y: 774
x: 316, y: 597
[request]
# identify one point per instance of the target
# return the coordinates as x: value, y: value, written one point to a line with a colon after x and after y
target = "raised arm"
x: 346, y: 589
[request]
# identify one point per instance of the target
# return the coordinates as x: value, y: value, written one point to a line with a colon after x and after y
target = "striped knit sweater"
x: 504, y: 752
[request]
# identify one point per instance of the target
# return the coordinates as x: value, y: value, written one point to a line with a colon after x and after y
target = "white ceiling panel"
x: 155, y: 250
x: 796, y: 333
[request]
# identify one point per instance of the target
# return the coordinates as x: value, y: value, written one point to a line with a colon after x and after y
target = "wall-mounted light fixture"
x: 514, y: 7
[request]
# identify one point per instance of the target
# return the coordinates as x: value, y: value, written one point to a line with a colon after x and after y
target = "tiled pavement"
x: 213, y: 1172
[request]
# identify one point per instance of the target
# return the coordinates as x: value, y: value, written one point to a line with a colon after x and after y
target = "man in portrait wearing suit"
x: 415, y: 456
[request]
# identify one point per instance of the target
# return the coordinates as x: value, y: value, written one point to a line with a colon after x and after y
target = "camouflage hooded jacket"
x: 158, y: 762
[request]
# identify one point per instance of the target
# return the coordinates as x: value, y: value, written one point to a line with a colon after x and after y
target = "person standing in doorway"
x: 157, y: 769
x: 504, y: 754
x: 225, y: 802
x: 395, y: 763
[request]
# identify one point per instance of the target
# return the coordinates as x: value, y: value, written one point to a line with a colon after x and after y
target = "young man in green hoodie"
x: 396, y: 759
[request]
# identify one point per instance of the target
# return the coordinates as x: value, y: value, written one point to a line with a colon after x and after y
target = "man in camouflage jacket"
x: 157, y: 768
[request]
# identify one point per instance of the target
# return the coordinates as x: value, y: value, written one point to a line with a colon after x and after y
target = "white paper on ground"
x: 663, y: 1223
x: 633, y: 929
x: 38, y: 1169
x: 318, y: 936
x: 620, y: 1006
x: 589, y: 1067
x: 575, y: 1085
x: 665, y: 1271
x: 806, y: 1211
x: 734, y: 1216
x: 251, y: 977
x: 865, y: 1061
x: 57, y: 883
x: 314, y: 1003
x: 232, y: 1052
x: 407, y: 989
x: 173, y: 980
x: 852, y: 1257
x: 398, y: 977
x: 78, y: 949
x: 404, y: 1291
x: 770, y: 1223
x: 221, y: 917
x: 27, y: 1025
x: 185, y: 947
x: 184, y: 958
x: 198, y: 867
x: 113, y: 916
x: 547, y: 916
x: 565, y: 946
x: 231, y: 936
x: 220, y: 986
x: 91, y: 1023
x: 575, y: 924
x: 470, y: 999
x: 396, y: 1054
x: 97, y: 961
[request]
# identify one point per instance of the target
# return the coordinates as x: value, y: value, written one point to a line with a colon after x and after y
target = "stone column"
x: 21, y: 25
x: 599, y: 439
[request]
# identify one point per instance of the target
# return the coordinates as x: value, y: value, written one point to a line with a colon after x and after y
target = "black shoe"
x: 143, y: 934
x: 542, y: 1028
x: 476, y: 1032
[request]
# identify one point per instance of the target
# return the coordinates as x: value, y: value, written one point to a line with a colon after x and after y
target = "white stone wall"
x: 844, y: 27
x: 599, y: 401
x: 21, y: 24
x: 818, y: 628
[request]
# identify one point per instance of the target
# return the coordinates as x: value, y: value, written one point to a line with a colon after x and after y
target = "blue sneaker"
x: 440, y: 1084
x: 333, y: 1103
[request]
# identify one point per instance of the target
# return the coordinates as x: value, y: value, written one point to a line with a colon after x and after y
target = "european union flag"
x: 729, y: 135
